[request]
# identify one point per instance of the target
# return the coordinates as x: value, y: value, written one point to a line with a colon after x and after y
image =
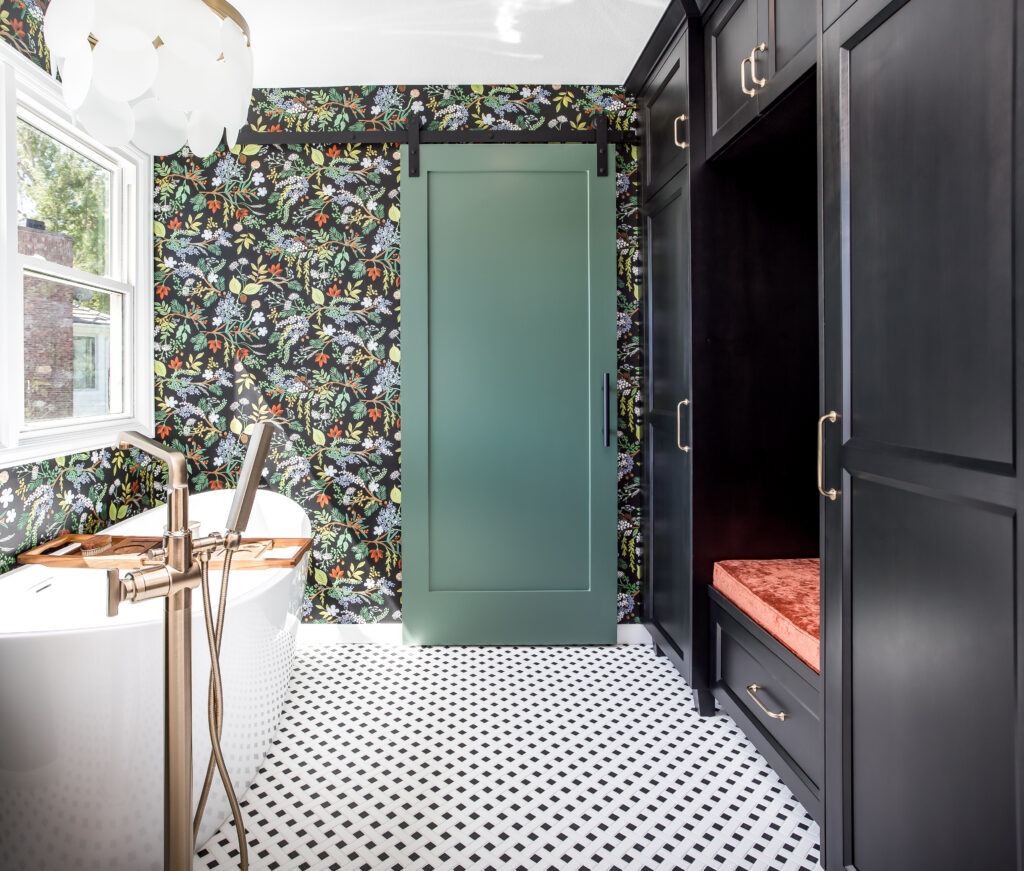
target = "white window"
x: 76, y: 312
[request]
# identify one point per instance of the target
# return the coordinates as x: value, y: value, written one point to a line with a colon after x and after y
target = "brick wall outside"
x: 49, y: 349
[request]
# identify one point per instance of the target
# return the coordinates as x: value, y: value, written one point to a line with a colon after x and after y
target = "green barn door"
x: 508, y: 331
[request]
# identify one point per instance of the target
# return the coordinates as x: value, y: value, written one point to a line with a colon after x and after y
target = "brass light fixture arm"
x: 221, y: 8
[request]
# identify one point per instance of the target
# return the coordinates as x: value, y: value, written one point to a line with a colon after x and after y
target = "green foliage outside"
x: 68, y: 192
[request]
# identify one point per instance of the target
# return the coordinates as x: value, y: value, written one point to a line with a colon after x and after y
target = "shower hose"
x: 215, y: 708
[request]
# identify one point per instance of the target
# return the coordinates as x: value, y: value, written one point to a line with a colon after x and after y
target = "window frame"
x: 28, y: 93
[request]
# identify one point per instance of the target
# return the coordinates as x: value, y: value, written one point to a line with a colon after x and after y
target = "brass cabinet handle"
x: 752, y: 692
x: 675, y: 133
x: 753, y: 66
x: 750, y: 92
x: 679, y: 427
x: 831, y: 493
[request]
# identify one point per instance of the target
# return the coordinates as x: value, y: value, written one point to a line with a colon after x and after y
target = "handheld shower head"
x: 249, y: 478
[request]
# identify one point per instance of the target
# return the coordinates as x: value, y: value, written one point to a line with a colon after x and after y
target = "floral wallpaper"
x: 21, y: 25
x: 278, y: 298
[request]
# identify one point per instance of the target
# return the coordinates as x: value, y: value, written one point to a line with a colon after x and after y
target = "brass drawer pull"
x: 752, y: 692
x: 750, y: 92
x: 680, y: 143
x: 753, y: 66
x: 679, y: 426
x: 831, y: 493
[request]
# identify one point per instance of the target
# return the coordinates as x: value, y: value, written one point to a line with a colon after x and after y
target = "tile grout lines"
x: 394, y: 758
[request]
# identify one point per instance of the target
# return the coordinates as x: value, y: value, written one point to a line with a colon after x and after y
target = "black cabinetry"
x: 755, y: 50
x: 923, y: 362
x: 667, y: 124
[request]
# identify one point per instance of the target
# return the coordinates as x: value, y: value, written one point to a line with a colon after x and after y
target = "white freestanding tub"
x: 81, y: 698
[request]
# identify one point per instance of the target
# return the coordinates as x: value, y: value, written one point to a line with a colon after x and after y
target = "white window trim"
x: 23, y: 83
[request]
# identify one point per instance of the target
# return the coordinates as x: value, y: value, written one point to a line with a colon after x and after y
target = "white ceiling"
x: 388, y: 42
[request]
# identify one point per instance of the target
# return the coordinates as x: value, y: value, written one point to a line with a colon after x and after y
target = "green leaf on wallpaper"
x: 250, y: 150
x: 396, y: 495
x: 159, y: 229
x: 395, y: 214
x: 122, y: 512
x: 250, y: 429
x: 235, y: 286
x: 317, y: 155
x: 236, y: 148
x: 395, y: 354
x: 320, y: 576
x: 319, y: 437
x: 477, y: 89
x: 160, y: 369
x: 251, y: 289
x: 112, y: 511
x: 318, y: 296
x: 235, y: 426
x: 60, y: 461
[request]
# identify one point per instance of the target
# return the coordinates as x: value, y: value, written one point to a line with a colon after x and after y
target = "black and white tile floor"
x: 446, y: 758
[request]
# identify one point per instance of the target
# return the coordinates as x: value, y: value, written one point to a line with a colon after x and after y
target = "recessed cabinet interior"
x: 756, y: 50
x: 667, y: 120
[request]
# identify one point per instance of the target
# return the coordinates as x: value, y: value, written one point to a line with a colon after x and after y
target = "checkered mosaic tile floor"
x: 446, y: 758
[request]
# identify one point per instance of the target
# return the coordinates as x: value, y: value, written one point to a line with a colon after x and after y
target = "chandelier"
x: 156, y: 73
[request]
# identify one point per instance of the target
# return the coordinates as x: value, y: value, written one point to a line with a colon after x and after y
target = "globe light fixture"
x: 155, y: 73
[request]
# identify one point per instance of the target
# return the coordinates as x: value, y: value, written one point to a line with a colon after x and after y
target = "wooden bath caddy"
x: 132, y: 552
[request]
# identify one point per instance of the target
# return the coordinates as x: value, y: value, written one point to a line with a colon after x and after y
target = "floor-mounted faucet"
x: 185, y: 566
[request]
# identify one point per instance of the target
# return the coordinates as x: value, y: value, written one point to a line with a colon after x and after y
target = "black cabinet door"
x: 789, y: 31
x: 666, y: 117
x: 731, y: 37
x: 832, y: 9
x: 923, y: 336
x: 668, y: 547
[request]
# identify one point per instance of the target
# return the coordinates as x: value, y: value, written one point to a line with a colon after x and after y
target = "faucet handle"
x: 115, y: 591
x: 249, y: 478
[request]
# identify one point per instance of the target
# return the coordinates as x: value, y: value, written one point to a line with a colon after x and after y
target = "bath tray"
x: 131, y: 552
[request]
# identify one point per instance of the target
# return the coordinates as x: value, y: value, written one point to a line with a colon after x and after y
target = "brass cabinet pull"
x: 753, y: 66
x: 679, y: 427
x: 750, y: 92
x: 675, y: 133
x: 831, y: 493
x: 752, y: 692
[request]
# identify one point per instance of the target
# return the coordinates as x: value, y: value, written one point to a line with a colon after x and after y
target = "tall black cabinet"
x: 923, y: 308
x: 669, y: 130
x: 904, y: 314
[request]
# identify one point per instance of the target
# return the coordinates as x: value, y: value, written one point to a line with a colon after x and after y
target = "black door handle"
x: 607, y: 424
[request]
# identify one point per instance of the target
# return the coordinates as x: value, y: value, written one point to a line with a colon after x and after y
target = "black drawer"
x: 743, y: 660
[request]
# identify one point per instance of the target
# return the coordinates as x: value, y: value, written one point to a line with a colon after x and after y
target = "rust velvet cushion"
x: 781, y: 595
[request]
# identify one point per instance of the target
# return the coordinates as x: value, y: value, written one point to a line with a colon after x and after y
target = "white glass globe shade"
x: 233, y: 40
x: 204, y: 133
x: 109, y: 121
x: 76, y: 75
x: 194, y: 28
x: 147, y: 15
x: 211, y: 97
x: 66, y: 24
x: 124, y: 64
x: 158, y: 129
x: 178, y: 79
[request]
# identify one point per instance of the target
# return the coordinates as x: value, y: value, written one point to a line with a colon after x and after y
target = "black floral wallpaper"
x: 278, y: 297
x: 21, y: 25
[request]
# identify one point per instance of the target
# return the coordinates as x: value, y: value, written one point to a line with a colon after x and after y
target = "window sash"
x: 29, y: 93
x: 121, y: 381
x: 73, y: 139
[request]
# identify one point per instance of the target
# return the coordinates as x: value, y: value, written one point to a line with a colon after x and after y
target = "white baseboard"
x: 315, y: 634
